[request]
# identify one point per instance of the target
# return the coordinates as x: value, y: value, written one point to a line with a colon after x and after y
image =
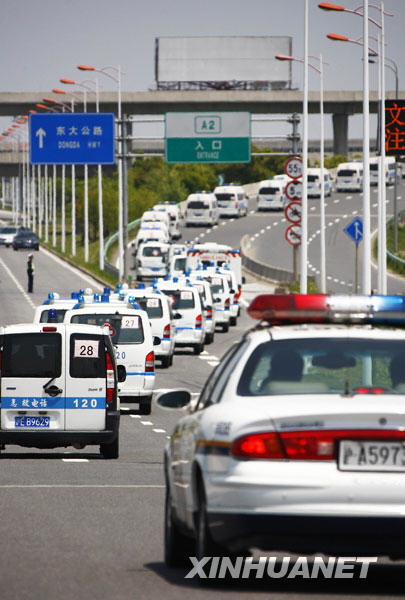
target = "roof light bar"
x: 321, y: 308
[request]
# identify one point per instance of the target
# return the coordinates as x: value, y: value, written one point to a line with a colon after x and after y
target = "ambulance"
x: 59, y: 387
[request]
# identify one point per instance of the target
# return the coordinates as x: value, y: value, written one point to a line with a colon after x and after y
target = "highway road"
x: 75, y: 526
x: 269, y: 246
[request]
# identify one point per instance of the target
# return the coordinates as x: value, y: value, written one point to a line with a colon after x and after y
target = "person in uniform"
x: 30, y: 272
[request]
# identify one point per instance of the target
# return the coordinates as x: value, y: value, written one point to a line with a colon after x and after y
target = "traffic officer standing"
x: 30, y: 272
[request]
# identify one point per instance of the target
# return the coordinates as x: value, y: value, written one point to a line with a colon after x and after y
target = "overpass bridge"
x: 340, y: 104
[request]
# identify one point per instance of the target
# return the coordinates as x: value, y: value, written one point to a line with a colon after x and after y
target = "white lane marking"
x: 85, y: 486
x: 124, y: 408
x: 275, y: 223
x: 75, y: 460
x: 208, y: 357
x: 135, y: 416
x: 313, y: 207
x: 18, y: 284
x: 262, y: 231
x: 204, y: 352
x: 213, y: 363
x: 243, y: 301
x: 146, y: 422
x: 202, y: 235
x: 337, y: 220
x: 66, y: 265
x: 354, y: 212
x: 336, y: 201
x: 159, y: 430
x: 252, y: 239
x: 349, y: 197
x: 283, y: 220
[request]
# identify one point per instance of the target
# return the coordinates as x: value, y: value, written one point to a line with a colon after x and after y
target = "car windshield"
x: 8, y: 230
x: 124, y: 329
x: 325, y: 366
x: 182, y: 299
x: 180, y: 264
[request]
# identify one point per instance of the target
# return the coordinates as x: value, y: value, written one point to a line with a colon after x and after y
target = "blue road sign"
x: 72, y: 138
x: 355, y: 230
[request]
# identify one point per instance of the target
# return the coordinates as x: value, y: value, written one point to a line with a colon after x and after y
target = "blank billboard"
x: 217, y: 59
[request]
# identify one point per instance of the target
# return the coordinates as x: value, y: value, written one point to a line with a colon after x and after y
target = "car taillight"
x: 236, y: 205
x: 110, y: 379
x: 49, y: 328
x: 227, y: 304
x: 198, y: 322
x: 209, y: 313
x: 358, y: 179
x: 210, y: 213
x: 305, y: 445
x: 166, y: 332
x: 139, y: 263
x: 150, y: 362
x: 237, y: 295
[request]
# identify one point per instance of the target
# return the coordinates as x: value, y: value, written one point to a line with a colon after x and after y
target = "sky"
x: 43, y: 40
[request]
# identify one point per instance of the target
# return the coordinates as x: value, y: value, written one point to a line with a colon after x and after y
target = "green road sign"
x: 208, y: 137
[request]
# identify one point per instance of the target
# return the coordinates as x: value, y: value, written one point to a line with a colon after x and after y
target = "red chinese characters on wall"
x: 394, y: 127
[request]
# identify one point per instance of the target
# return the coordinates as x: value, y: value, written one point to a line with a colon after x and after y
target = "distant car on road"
x: 25, y: 239
x: 7, y: 234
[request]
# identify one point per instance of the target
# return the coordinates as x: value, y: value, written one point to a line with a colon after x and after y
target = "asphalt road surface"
x: 74, y: 526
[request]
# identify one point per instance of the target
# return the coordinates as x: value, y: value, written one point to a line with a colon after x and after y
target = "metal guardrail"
x: 260, y: 269
x: 113, y: 238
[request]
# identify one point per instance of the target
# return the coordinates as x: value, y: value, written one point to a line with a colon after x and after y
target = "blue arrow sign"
x: 355, y: 230
x: 72, y: 138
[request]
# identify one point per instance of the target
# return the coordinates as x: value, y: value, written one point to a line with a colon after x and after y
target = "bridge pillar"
x: 340, y: 133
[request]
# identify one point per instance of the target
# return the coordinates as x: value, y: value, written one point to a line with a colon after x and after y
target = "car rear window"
x: 324, y: 366
x: 217, y: 284
x: 31, y: 355
x: 180, y: 264
x: 182, y: 299
x: 152, y: 306
x: 374, y: 167
x: 346, y: 173
x: 223, y: 197
x: 197, y: 204
x: 125, y: 329
x: 313, y: 178
x: 270, y: 190
x: 60, y: 315
x: 154, y: 252
x: 87, y: 356
x: 8, y: 230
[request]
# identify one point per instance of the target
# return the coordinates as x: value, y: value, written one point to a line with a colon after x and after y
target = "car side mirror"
x: 122, y: 373
x: 174, y: 399
x: 156, y: 341
x: 177, y: 316
x: 243, y: 279
x: 208, y: 308
x: 232, y: 291
x: 217, y: 299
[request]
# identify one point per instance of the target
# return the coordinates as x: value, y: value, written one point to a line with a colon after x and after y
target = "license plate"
x: 371, y: 456
x: 32, y: 422
x: 198, y: 214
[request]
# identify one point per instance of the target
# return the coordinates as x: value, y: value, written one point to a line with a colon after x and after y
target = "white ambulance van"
x: 270, y: 195
x: 174, y: 213
x: 133, y: 342
x: 201, y: 209
x: 152, y: 260
x: 349, y: 177
x: 389, y: 170
x: 314, y: 183
x: 212, y: 254
x: 186, y: 302
x: 58, y: 387
x: 232, y: 201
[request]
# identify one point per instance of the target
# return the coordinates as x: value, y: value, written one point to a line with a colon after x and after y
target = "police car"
x: 58, y: 387
x: 297, y: 441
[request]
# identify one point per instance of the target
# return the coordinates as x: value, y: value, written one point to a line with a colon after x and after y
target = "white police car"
x: 297, y: 442
x: 58, y: 387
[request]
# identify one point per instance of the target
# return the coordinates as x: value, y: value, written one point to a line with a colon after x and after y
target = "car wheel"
x: 204, y: 544
x: 177, y: 546
x: 209, y: 338
x: 111, y: 450
x: 165, y: 361
x: 145, y: 406
x: 14, y: 248
x: 37, y: 248
x: 232, y: 321
x: 225, y: 327
x: 198, y: 348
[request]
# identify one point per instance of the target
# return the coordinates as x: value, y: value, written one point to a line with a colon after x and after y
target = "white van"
x: 150, y: 234
x: 58, y: 387
x: 175, y: 217
x: 132, y: 338
x: 204, y: 288
x: 349, y: 177
x: 161, y: 319
x: 232, y: 201
x: 186, y: 302
x: 314, y: 183
x: 270, y: 195
x: 178, y: 265
x: 211, y: 254
x: 152, y: 260
x: 389, y: 170
x: 222, y: 297
x: 151, y: 217
x: 201, y: 209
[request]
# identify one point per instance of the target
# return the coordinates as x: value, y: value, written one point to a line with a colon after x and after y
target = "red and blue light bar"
x: 322, y: 308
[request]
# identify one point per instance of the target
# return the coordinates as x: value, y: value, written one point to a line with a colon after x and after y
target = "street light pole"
x: 304, y: 223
